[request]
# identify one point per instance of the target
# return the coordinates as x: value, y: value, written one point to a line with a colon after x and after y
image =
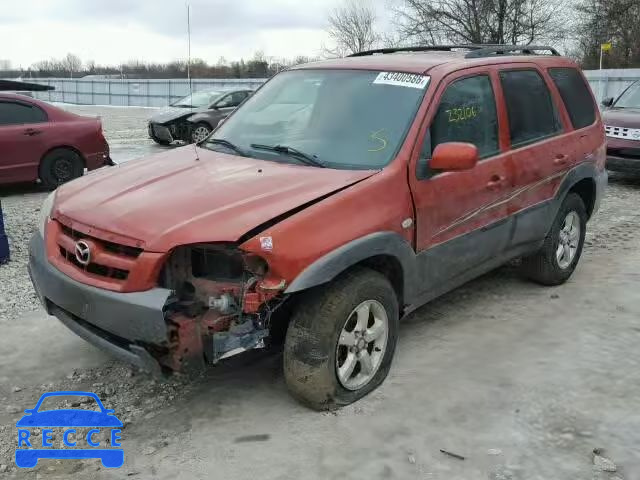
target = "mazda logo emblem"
x: 83, y: 252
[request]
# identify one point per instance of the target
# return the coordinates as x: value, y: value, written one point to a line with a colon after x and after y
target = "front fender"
x: 329, y: 266
x: 205, y: 118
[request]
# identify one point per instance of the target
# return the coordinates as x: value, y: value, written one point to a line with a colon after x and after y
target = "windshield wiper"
x: 292, y: 152
x: 228, y: 144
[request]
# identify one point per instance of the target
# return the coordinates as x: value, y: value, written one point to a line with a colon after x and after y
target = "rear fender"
x: 583, y: 171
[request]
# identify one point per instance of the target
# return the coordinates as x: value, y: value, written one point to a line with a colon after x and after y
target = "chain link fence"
x: 158, y: 93
x: 129, y: 92
x: 611, y: 83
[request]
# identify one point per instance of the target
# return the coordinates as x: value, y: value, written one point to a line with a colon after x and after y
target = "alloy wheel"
x: 569, y: 239
x: 200, y: 133
x: 362, y: 344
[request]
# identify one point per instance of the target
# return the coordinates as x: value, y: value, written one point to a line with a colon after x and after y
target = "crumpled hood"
x: 170, y: 114
x: 173, y: 199
x: 622, y: 117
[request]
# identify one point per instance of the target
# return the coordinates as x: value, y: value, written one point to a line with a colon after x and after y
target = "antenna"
x: 195, y: 147
x: 189, y: 49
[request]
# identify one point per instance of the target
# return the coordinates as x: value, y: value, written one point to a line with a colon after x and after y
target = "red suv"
x: 341, y: 196
x: 40, y: 141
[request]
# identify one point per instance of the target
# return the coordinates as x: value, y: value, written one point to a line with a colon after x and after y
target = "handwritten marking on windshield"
x: 383, y: 141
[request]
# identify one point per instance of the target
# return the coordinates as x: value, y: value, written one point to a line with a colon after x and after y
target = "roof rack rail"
x: 505, y: 49
x: 417, y: 48
x: 476, y: 50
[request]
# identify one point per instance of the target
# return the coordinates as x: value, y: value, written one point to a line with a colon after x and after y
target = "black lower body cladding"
x: 101, y: 317
x: 624, y: 160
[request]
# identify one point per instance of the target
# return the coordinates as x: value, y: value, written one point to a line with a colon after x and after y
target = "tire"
x: 545, y: 267
x: 198, y: 132
x: 311, y: 345
x: 60, y: 166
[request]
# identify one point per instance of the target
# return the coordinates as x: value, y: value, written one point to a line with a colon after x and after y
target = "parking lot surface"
x: 520, y: 381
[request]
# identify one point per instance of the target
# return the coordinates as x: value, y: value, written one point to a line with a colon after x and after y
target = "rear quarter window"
x: 575, y: 95
x: 532, y: 113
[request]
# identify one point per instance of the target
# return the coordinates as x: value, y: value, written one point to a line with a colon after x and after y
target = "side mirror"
x: 607, y: 102
x: 454, y: 156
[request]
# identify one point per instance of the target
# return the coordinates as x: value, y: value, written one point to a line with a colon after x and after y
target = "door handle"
x: 561, y: 159
x: 496, y: 182
x: 32, y: 131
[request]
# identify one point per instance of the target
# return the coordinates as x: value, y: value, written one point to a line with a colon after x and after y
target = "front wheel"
x: 341, y: 340
x: 554, y: 263
x: 199, y: 132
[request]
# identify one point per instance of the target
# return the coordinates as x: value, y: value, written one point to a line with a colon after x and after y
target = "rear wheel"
x: 554, y: 263
x: 199, y: 132
x: 341, y: 340
x: 60, y: 166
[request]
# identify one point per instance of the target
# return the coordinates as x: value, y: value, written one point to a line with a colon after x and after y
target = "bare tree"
x: 602, y: 21
x: 481, y: 21
x: 72, y: 64
x: 5, y: 64
x: 90, y: 66
x: 352, y: 28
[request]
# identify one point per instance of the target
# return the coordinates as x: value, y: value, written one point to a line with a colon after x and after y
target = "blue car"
x: 69, y: 418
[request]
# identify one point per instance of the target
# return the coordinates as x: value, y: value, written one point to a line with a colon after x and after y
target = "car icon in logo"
x: 69, y: 420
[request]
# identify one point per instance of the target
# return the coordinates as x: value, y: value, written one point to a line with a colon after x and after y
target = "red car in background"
x: 40, y: 141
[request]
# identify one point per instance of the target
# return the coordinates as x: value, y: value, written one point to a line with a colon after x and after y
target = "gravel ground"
x: 523, y: 381
x: 20, y: 217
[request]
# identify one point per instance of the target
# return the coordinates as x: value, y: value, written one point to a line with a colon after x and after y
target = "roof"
x: 22, y: 98
x: 411, y: 62
x: 422, y: 59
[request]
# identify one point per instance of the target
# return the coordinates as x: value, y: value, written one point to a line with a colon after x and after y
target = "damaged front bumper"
x: 120, y: 323
x: 170, y: 132
x: 158, y: 329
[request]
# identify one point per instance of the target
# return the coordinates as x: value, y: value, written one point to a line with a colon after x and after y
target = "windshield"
x: 198, y: 99
x: 630, y: 98
x: 342, y: 118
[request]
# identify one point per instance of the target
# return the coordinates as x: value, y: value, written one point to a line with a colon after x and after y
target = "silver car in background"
x: 193, y: 117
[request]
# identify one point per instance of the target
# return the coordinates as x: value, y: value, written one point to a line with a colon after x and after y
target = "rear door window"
x: 14, y: 113
x: 467, y: 113
x: 532, y: 114
x: 575, y: 95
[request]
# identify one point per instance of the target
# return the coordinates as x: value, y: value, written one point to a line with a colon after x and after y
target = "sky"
x: 116, y: 31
